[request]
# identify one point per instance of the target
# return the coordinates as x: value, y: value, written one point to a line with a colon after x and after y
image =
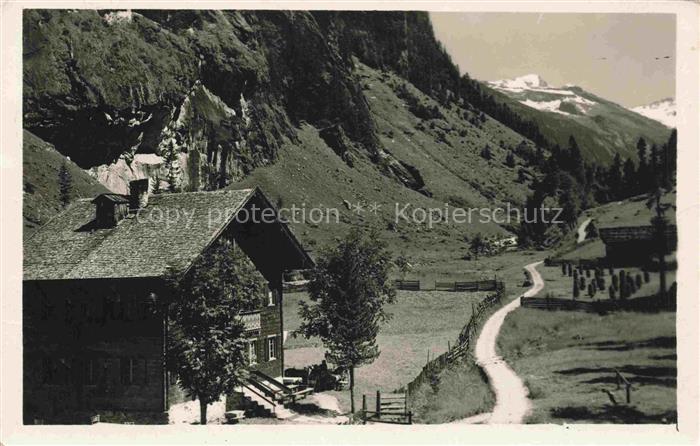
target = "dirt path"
x: 582, y: 231
x: 512, y: 404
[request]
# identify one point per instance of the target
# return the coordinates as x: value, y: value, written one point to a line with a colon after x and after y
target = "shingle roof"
x: 116, y: 198
x: 170, y: 232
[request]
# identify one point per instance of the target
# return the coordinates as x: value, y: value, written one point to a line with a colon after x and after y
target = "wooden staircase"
x: 266, y: 396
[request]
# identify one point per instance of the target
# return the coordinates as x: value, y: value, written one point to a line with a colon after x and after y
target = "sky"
x: 611, y: 55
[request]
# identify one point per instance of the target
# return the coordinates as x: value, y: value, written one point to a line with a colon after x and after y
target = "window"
x: 271, y: 348
x: 126, y: 366
x: 252, y: 352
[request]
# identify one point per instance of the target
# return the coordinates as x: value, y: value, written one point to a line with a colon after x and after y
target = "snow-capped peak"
x: 523, y: 82
x: 663, y: 111
x: 533, y: 91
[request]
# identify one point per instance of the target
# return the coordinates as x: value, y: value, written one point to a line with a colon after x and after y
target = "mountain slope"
x: 601, y: 127
x: 663, y: 111
x: 445, y: 148
x: 41, y: 165
x: 210, y: 99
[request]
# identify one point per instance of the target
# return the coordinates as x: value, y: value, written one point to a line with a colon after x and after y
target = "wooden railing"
x: 457, y: 286
x: 251, y: 320
x: 462, y: 346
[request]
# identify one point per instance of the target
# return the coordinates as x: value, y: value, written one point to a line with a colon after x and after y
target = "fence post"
x: 379, y: 404
x: 627, y: 393
x: 364, y: 408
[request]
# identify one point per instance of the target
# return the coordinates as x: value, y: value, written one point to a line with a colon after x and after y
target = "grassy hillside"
x: 444, y: 149
x: 41, y: 165
x: 568, y: 359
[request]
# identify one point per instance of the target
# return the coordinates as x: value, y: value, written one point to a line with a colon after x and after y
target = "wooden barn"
x: 93, y: 275
x: 634, y: 245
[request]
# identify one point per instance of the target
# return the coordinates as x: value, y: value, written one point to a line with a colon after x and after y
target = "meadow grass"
x: 422, y: 322
x: 568, y: 359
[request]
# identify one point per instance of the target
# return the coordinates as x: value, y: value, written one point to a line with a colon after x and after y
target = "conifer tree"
x: 510, y: 160
x: 65, y: 184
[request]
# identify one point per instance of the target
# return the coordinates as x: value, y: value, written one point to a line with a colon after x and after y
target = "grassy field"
x: 560, y: 286
x: 568, y: 359
x: 422, y: 323
x: 462, y: 390
x: 630, y: 212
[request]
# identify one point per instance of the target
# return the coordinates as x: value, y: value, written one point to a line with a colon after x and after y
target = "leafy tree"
x: 65, y: 184
x: 349, y: 288
x: 205, y: 332
x: 477, y: 245
x: 403, y: 265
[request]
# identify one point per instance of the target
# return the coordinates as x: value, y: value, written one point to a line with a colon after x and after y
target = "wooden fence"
x: 583, y: 263
x: 462, y: 346
x: 458, y: 286
x: 641, y: 304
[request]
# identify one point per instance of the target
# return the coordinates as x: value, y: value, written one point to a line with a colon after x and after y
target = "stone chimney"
x: 138, y: 194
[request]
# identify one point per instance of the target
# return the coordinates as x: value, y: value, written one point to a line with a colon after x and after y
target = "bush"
x: 510, y: 160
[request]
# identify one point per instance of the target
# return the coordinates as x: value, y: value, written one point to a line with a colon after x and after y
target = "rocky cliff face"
x: 208, y: 95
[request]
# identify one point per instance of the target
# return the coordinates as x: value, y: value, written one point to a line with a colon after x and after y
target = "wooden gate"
x: 389, y: 408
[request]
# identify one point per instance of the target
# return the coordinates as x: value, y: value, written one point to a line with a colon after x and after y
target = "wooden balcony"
x: 251, y: 320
